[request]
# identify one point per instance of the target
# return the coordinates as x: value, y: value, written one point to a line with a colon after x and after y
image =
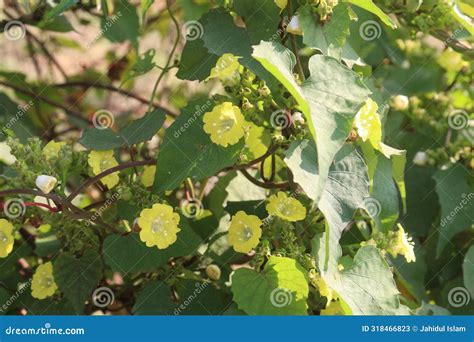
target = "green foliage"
x: 269, y: 157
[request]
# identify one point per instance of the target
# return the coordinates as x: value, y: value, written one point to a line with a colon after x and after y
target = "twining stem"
x: 96, y: 178
x: 265, y: 185
x: 167, y: 65
x: 294, y: 46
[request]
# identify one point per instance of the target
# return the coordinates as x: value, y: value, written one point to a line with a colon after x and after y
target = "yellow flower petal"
x: 244, y: 232
x: 287, y: 208
x: 226, y: 69
x: 148, y: 176
x: 51, y: 150
x: 5, y: 154
x: 101, y: 161
x: 225, y: 124
x: 368, y: 124
x: 159, y: 226
x: 6, y: 238
x: 43, y: 284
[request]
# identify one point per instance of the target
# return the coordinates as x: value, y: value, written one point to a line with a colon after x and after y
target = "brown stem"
x: 85, y: 84
x: 265, y: 185
x: 101, y: 175
x: 45, y: 100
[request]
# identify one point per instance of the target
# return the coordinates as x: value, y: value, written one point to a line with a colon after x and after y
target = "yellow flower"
x: 101, y: 161
x: 287, y: 208
x: 159, y: 226
x: 367, y: 122
x: 225, y: 124
x: 323, y: 288
x: 226, y: 69
x: 148, y: 176
x: 5, y: 154
x: 43, y: 284
x: 281, y: 4
x: 6, y: 238
x: 51, y: 150
x: 402, y: 244
x: 46, y: 183
x: 244, y: 232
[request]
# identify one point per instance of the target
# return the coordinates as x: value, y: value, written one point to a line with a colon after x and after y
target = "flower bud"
x: 213, y: 272
x: 294, y: 26
x: 5, y: 154
x: 400, y: 102
x: 46, y: 183
x: 420, y: 158
x: 298, y: 117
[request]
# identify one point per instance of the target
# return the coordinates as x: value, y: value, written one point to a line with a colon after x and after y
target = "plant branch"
x: 175, y: 45
x: 265, y: 185
x: 101, y: 175
x: 85, y: 84
x: 294, y: 45
x: 73, y: 113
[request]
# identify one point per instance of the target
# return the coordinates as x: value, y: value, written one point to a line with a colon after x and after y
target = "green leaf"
x: 329, y: 98
x: 462, y: 18
x: 195, y: 298
x: 468, y: 270
x: 281, y: 289
x: 142, y: 65
x: 368, y: 5
x: 188, y: 151
x: 56, y: 24
x: 123, y: 25
x: 261, y: 21
x: 60, y: 8
x: 367, y: 286
x: 77, y: 277
x: 219, y: 36
x: 140, y: 258
x: 345, y: 190
x: 135, y: 132
x: 455, y: 196
x: 330, y: 38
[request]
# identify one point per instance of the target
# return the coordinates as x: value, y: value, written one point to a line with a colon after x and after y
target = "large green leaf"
x: 367, y: 286
x: 455, y: 196
x: 468, y: 270
x: 368, y: 5
x: 188, y: 151
x: 347, y: 185
x: 329, y: 98
x: 281, y: 289
x: 77, y: 277
x: 137, y: 131
x: 261, y: 21
x: 123, y: 25
x: 331, y: 37
x: 194, y: 298
x: 140, y: 258
x: 218, y: 35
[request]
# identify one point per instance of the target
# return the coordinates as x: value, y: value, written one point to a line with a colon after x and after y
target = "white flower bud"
x: 46, y: 183
x: 5, y: 154
x: 298, y: 117
x: 294, y: 26
x: 420, y: 158
x: 400, y: 102
x: 213, y: 272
